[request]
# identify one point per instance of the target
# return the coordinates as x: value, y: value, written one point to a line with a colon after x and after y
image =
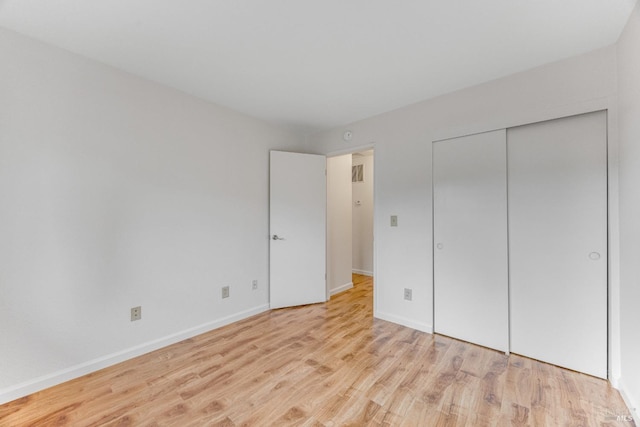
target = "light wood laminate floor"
x: 323, y: 365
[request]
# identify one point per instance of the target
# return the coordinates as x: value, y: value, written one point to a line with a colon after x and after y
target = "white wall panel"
x: 470, y: 236
x: 558, y: 241
x: 117, y: 192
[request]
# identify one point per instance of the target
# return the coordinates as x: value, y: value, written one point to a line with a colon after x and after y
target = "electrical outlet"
x: 225, y: 292
x: 136, y: 313
x: 408, y: 294
x: 254, y: 285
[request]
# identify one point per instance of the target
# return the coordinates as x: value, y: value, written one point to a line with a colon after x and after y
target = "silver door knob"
x: 594, y: 256
x: 439, y: 246
x: 275, y: 237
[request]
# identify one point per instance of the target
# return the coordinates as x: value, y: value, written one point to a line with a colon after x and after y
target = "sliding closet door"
x: 470, y: 239
x: 557, y: 173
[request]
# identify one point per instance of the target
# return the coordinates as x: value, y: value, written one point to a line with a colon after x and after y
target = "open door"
x: 297, y: 223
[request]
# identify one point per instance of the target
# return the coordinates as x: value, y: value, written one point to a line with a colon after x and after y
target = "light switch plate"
x: 394, y: 220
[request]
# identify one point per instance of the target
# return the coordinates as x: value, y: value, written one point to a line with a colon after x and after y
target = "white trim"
x: 342, y: 288
x: 633, y: 407
x: 420, y: 326
x: 615, y: 383
x: 613, y: 218
x: 28, y: 387
x: 352, y: 150
x: 526, y: 117
x: 363, y: 272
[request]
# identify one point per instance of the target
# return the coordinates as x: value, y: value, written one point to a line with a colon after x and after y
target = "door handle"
x: 275, y: 237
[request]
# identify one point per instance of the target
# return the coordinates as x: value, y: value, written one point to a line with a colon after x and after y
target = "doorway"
x: 350, y: 218
x: 362, y: 212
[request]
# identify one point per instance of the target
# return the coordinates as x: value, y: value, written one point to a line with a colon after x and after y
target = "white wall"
x: 363, y: 217
x: 339, y: 223
x: 117, y: 192
x: 403, y: 139
x: 629, y: 125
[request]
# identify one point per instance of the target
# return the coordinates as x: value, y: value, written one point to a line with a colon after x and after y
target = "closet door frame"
x: 613, y: 232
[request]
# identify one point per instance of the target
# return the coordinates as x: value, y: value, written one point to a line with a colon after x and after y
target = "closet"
x: 520, y: 240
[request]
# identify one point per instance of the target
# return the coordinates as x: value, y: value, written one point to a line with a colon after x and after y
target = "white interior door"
x: 558, y: 241
x: 470, y: 239
x: 297, y: 223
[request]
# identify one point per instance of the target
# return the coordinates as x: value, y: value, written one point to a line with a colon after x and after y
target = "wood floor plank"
x: 323, y: 365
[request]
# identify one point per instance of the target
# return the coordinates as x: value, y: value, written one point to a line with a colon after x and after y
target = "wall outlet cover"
x: 136, y: 313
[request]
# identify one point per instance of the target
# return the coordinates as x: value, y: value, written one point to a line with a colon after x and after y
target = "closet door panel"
x: 470, y: 239
x: 557, y: 174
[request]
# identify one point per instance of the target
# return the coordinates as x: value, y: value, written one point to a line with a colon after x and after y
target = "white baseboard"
x: 424, y: 327
x: 363, y: 272
x: 615, y: 382
x: 23, y: 389
x: 342, y: 288
x: 632, y: 404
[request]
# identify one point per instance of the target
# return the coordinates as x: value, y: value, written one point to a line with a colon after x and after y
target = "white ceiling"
x: 323, y: 63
